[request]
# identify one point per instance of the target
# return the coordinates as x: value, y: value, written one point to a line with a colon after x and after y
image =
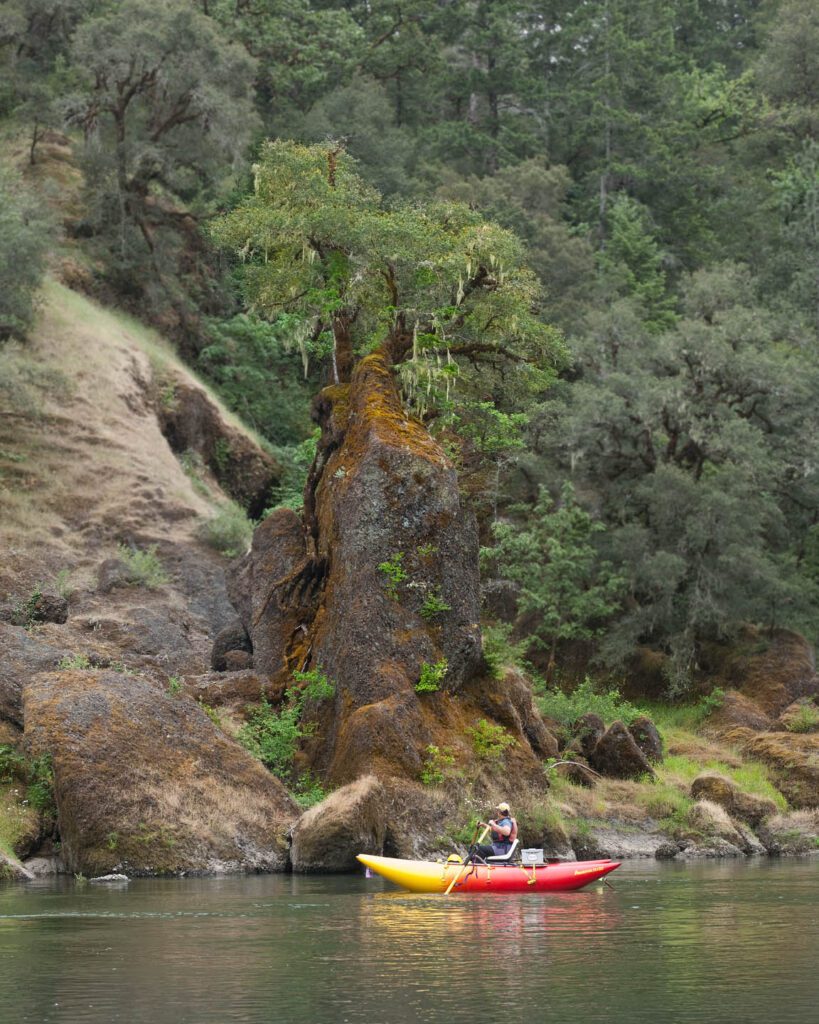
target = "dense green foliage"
x: 642, y: 175
x: 273, y: 733
x: 23, y: 241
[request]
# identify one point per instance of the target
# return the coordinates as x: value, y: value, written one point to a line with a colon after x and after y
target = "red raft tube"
x: 437, y: 876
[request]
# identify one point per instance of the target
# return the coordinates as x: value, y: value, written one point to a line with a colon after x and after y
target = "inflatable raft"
x: 436, y: 876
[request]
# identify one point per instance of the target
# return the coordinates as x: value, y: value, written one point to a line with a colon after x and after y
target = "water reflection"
x: 718, y: 943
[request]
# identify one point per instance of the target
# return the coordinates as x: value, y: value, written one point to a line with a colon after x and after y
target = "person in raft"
x: 503, y: 833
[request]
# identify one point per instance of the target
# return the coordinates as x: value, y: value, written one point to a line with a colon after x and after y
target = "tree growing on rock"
x: 430, y: 286
x: 425, y: 296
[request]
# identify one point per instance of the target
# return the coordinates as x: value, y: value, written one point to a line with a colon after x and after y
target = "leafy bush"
x: 144, y: 566
x: 40, y: 790
x: 490, y: 741
x: 12, y: 764
x: 566, y: 708
x: 79, y: 662
x: 229, y: 531
x: 431, y: 676
x: 273, y: 735
x: 437, y: 765
x: 308, y: 791
x: 500, y: 651
x: 23, y: 245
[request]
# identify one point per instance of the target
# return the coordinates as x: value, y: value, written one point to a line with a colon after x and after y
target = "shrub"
x: 12, y: 764
x: 394, y: 573
x: 500, y: 651
x: 144, y: 566
x: 432, y: 676
x: 273, y: 735
x: 79, y: 662
x: 174, y: 685
x: 566, y: 708
x: 308, y: 791
x: 434, y: 605
x: 489, y: 740
x: 437, y: 765
x: 229, y: 531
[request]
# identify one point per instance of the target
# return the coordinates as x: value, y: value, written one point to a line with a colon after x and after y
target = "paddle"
x: 457, y: 877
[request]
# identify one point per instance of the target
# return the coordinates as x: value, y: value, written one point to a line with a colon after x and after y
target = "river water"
x: 670, y: 944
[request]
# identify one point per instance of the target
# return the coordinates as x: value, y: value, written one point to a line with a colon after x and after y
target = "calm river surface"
x: 672, y: 944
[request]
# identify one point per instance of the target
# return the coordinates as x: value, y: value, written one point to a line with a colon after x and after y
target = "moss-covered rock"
x: 350, y: 821
x: 145, y: 783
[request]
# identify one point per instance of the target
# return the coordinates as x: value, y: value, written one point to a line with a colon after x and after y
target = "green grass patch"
x: 144, y: 566
x: 751, y: 777
x: 229, y: 531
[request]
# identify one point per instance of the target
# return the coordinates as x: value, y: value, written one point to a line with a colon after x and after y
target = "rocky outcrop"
x: 616, y: 754
x: 716, y: 789
x: 21, y: 655
x: 509, y: 702
x: 796, y: 832
x: 11, y: 870
x: 647, y: 737
x: 192, y: 422
x: 232, y: 639
x: 378, y: 580
x: 145, y: 783
x: 587, y: 731
x: 351, y: 820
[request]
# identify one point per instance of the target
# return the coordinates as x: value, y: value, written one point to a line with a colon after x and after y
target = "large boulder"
x: 230, y: 640
x: 11, y: 870
x: 587, y: 732
x: 145, y: 782
x: 617, y: 754
x: 647, y: 737
x: 351, y: 820
x: 713, y: 821
x: 509, y: 702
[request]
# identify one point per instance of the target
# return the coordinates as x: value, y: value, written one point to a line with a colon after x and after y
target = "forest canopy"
x: 588, y: 234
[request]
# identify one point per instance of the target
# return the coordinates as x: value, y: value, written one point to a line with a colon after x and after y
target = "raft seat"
x: 505, y: 857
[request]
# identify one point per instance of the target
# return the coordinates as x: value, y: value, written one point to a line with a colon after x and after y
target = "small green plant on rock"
x: 80, y: 662
x: 40, y: 790
x: 490, y: 741
x: 711, y: 702
x: 437, y: 765
x: 806, y: 719
x: 144, y: 566
x: 434, y: 605
x: 25, y: 612
x: 174, y: 685
x: 432, y: 676
x: 394, y: 573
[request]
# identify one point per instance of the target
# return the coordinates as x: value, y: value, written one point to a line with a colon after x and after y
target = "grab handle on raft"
x: 457, y: 877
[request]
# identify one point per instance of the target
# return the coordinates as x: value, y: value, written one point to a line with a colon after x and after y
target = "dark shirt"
x: 500, y: 842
